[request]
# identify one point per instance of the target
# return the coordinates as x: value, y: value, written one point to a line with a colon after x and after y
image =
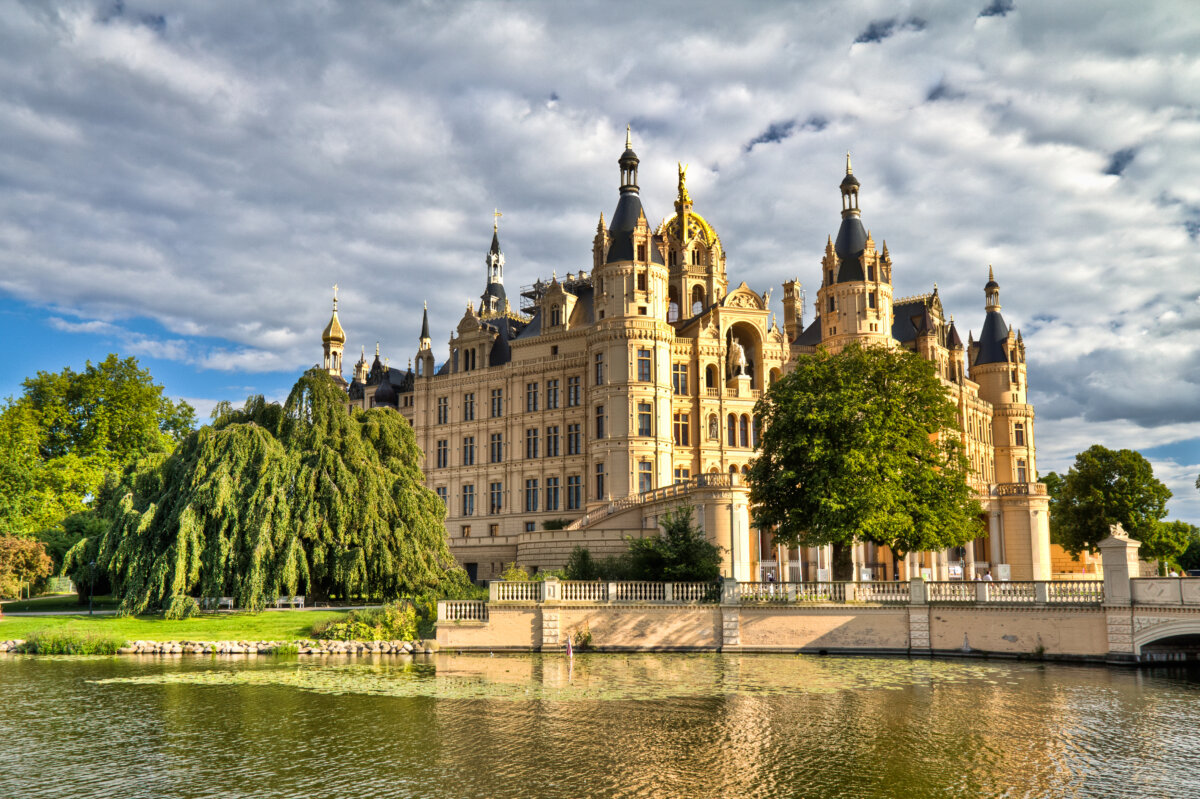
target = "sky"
x: 185, y: 182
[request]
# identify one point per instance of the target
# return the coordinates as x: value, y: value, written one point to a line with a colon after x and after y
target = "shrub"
x: 514, y: 574
x: 681, y: 553
x: 288, y: 648
x: 71, y: 642
x: 583, y: 638
x: 581, y: 566
x: 181, y: 607
x: 395, y: 621
x: 555, y: 524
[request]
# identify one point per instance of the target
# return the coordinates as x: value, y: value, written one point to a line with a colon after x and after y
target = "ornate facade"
x: 618, y: 392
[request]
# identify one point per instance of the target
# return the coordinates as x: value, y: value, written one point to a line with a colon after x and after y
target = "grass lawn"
x: 284, y: 625
x: 58, y: 602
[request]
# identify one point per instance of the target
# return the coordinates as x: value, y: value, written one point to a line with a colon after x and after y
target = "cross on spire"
x: 496, y: 220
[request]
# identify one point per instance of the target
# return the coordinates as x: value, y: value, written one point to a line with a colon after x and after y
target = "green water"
x: 660, y: 725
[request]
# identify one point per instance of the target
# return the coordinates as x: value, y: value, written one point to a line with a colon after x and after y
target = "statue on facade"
x: 738, y: 358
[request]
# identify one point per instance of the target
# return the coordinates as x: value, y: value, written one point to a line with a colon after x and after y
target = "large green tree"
x: 1107, y: 487
x: 862, y: 445
x: 680, y: 553
x: 306, y: 497
x: 69, y: 431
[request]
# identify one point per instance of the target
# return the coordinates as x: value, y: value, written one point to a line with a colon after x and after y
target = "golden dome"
x: 333, y: 331
x: 698, y: 227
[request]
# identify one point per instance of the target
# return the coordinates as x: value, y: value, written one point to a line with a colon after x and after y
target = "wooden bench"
x: 216, y: 602
x: 290, y: 601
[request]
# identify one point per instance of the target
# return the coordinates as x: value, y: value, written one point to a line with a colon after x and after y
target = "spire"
x: 629, y: 165
x: 849, y: 171
x: 493, y: 298
x: 600, y: 224
x: 628, y: 139
x: 426, y: 341
x: 991, y: 291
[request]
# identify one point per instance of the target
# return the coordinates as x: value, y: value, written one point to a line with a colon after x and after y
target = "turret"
x: 425, y: 350
x: 494, y: 300
x: 855, y: 298
x: 793, y: 309
x: 333, y: 340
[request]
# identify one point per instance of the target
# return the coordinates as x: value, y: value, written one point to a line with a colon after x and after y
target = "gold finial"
x: 335, y: 291
x: 426, y: 305
x: 628, y: 139
x: 387, y: 364
x: 849, y: 171
x: 684, y: 197
x: 496, y: 220
x: 376, y: 349
x: 991, y: 276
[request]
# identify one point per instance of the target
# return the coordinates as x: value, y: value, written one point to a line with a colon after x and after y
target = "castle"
x: 617, y: 393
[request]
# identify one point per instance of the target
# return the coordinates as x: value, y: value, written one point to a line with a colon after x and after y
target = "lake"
x: 638, y: 725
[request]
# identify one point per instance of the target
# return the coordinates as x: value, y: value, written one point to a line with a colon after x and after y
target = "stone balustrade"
x: 918, y: 592
x: 1165, y: 590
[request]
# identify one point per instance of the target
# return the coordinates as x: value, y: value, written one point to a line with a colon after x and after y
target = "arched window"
x: 733, y: 468
x: 710, y: 377
x: 757, y: 431
x: 732, y: 431
x: 745, y: 431
x: 698, y: 298
x: 745, y: 469
x: 775, y: 375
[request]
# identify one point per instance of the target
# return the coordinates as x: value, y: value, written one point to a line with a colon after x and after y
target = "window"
x: 641, y: 275
x: 496, y: 448
x: 443, y: 410
x: 679, y: 378
x: 573, y: 397
x: 443, y: 454
x: 871, y: 300
x: 643, y: 366
x: 531, y: 496
x: 645, y: 476
x: 495, y: 498
x: 599, y: 481
x: 756, y: 431
x: 555, y: 316
x: 551, y: 395
x: 829, y: 278
x: 441, y: 492
x: 468, y: 451
x: 645, y: 419
x: 599, y: 363
x: 731, y: 433
x: 530, y: 526
x: 744, y: 428
x: 493, y: 531
x: 531, y: 443
x: 469, y: 407
x: 531, y: 396
x: 682, y: 431
x: 552, y: 442
x: 682, y: 475
x: 468, y: 500
x: 574, y: 439
x: 832, y: 305
x: 497, y: 402
x: 552, y: 491
x: 599, y: 421
x: 642, y: 310
x: 466, y: 531
x: 695, y: 257
x: 1021, y: 471
x: 871, y: 274
x: 574, y: 492
x: 1019, y: 434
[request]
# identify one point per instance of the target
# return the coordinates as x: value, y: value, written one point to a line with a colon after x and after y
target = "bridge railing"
x: 729, y: 592
x: 1165, y: 590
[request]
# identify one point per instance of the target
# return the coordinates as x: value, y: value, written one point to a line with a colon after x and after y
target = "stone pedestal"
x: 1119, y: 554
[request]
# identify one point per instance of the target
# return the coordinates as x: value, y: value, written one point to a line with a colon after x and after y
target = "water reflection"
x: 610, y: 725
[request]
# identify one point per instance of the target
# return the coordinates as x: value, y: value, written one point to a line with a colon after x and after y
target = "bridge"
x: 1120, y: 619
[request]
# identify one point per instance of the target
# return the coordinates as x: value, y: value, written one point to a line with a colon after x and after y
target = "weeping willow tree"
x: 300, y: 498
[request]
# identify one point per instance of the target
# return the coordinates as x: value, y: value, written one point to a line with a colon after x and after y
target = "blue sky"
x: 184, y: 182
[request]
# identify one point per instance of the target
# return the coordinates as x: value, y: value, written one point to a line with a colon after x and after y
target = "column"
x: 969, y: 561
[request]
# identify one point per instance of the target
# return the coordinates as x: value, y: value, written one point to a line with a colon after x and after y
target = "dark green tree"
x: 1180, y: 538
x: 863, y: 445
x: 680, y: 553
x: 306, y: 497
x: 1190, y: 559
x: 1107, y: 487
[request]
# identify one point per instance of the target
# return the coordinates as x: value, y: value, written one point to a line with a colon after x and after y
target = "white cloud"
x: 216, y: 167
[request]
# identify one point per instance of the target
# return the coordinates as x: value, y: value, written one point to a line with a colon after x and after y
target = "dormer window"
x: 555, y: 316
x: 641, y: 253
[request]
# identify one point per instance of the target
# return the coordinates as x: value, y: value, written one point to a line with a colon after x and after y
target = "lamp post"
x: 91, y: 585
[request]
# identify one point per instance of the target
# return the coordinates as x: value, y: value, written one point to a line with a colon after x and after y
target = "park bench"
x: 216, y: 602
x: 290, y: 601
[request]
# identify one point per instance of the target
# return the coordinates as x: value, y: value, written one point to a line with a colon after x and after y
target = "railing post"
x: 791, y: 591
x: 1041, y: 592
x: 551, y: 591
x: 612, y: 592
x: 981, y: 591
x: 441, y: 610
x: 729, y: 591
x: 668, y: 592
x: 851, y: 594
x: 916, y: 592
x: 494, y: 590
x: 1119, y: 554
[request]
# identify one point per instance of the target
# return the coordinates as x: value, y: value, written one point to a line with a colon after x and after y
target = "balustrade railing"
x: 1045, y: 592
x: 462, y: 610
